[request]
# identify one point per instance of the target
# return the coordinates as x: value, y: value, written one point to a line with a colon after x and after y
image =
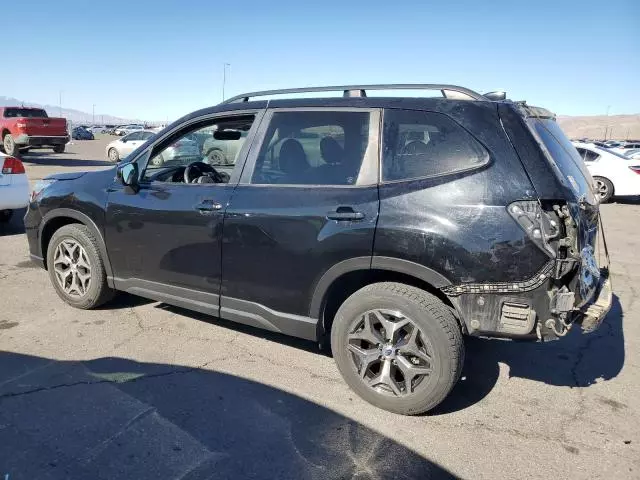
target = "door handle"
x: 208, y: 206
x: 345, y: 214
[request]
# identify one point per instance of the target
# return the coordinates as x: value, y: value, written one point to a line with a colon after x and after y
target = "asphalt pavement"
x: 142, y: 390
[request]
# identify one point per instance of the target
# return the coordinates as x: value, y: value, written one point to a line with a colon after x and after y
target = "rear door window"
x: 425, y: 144
x: 563, y: 154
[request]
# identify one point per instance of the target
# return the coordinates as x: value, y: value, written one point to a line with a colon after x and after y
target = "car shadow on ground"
x: 42, y: 158
x: 577, y: 360
x: 15, y: 225
x: 118, y: 418
x: 627, y: 200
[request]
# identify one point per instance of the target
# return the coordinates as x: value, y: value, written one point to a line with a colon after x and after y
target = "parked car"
x: 383, y: 226
x: 24, y: 127
x: 625, y: 147
x: 119, y: 149
x: 97, y: 129
x: 613, y: 173
x: 81, y: 133
x: 632, y: 153
x: 14, y: 186
x: 127, y: 129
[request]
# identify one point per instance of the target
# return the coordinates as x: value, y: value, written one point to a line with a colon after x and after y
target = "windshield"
x: 25, y: 113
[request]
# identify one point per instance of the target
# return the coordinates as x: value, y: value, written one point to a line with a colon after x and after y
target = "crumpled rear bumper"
x: 593, y: 314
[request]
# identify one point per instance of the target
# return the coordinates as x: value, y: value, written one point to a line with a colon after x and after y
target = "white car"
x: 119, y: 149
x: 613, y: 173
x: 127, y: 129
x: 14, y: 186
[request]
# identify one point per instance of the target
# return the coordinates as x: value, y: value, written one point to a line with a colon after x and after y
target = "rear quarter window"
x: 426, y: 144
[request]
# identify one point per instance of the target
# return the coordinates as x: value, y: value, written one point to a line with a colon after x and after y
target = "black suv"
x: 391, y: 227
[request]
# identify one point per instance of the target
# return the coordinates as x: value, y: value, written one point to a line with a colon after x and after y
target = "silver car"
x: 119, y: 149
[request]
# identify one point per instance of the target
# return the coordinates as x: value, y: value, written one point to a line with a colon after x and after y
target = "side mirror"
x: 123, y: 140
x: 128, y: 176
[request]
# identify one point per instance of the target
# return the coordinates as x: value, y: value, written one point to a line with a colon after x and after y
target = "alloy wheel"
x: 389, y: 352
x: 72, y: 268
x: 602, y: 189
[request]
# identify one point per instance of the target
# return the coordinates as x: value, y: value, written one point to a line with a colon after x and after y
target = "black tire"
x: 113, y: 155
x: 10, y: 147
x: 5, y: 216
x: 58, y: 148
x: 436, y: 325
x: 604, y: 189
x: 98, y: 292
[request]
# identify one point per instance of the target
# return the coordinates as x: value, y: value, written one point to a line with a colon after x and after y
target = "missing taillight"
x: 536, y: 223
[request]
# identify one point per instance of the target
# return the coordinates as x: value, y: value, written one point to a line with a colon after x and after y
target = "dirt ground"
x: 139, y: 389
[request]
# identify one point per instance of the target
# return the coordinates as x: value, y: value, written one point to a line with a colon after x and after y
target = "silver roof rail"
x: 448, y: 91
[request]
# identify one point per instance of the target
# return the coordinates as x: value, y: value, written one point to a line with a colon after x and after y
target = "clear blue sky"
x: 162, y: 58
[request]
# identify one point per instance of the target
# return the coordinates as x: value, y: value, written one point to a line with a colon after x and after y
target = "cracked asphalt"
x: 141, y: 390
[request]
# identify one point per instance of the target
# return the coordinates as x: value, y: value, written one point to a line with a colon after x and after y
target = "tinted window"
x: 147, y: 135
x: 25, y: 112
x: 568, y: 164
x: 313, y: 148
x: 422, y: 144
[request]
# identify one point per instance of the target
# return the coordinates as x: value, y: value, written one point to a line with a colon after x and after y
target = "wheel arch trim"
x: 87, y: 222
x: 391, y: 264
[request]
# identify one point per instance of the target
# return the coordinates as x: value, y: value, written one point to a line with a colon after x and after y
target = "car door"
x: 164, y: 239
x: 307, y: 201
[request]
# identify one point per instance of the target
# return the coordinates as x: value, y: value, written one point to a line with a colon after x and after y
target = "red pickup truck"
x: 24, y: 127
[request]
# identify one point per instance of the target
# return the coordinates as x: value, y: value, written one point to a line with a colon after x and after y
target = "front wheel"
x: 603, y: 189
x: 398, y: 347
x: 113, y: 155
x: 58, y: 148
x: 76, y: 268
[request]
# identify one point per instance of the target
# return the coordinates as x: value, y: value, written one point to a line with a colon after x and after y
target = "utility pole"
x: 60, y: 102
x: 607, y: 123
x: 93, y: 120
x: 224, y: 77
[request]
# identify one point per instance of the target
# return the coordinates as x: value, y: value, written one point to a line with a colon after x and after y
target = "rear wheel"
x: 10, y: 147
x: 76, y: 268
x: 58, y: 148
x: 604, y: 189
x: 398, y: 347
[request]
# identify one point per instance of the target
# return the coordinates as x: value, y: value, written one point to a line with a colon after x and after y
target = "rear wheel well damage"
x: 347, y: 284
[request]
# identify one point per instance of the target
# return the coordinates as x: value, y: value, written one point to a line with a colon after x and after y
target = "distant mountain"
x: 618, y: 127
x: 74, y: 116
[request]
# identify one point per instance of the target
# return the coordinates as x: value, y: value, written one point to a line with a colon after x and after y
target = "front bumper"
x: 593, y: 314
x: 24, y: 140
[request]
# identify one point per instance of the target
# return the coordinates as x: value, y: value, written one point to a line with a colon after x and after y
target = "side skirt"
x: 236, y: 310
